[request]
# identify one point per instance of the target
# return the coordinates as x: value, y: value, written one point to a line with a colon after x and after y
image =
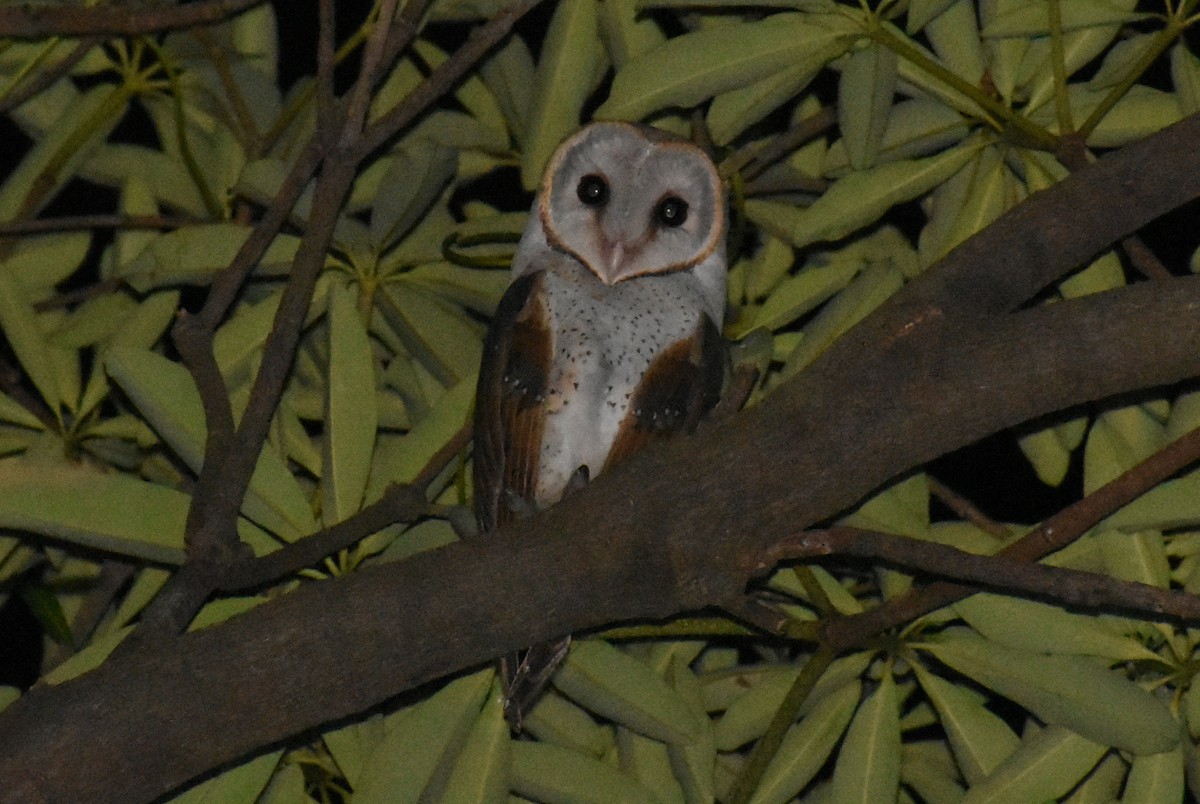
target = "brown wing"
x: 681, y: 385
x: 509, y: 414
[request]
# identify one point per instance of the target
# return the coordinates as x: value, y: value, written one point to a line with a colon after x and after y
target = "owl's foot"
x: 526, y: 676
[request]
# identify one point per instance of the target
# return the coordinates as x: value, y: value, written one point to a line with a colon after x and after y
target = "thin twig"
x: 36, y: 22
x: 1143, y: 260
x: 400, y: 503
x: 966, y: 509
x: 71, y: 223
x: 47, y: 77
x: 1058, y: 531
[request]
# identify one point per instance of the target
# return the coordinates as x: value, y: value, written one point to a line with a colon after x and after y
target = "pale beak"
x: 611, y: 257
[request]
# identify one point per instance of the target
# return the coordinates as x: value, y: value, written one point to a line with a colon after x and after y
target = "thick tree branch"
x: 681, y: 527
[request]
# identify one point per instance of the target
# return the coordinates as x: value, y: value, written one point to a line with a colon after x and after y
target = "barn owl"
x: 608, y: 336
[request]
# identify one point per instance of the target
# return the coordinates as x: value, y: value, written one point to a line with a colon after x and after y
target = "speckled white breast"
x: 605, y: 337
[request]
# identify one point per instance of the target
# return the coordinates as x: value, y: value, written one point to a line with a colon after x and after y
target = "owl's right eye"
x: 593, y: 190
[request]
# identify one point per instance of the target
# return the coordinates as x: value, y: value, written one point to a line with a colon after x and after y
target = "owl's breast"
x: 605, y: 339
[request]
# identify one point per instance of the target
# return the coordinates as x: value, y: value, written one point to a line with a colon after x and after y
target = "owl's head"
x: 629, y: 202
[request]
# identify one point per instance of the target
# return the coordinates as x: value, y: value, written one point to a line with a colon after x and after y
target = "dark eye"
x: 671, y: 211
x: 593, y: 190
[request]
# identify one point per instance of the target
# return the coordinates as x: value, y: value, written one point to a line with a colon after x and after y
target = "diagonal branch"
x: 674, y: 530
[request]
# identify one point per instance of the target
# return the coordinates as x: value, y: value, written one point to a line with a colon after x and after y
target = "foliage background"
x: 861, y: 143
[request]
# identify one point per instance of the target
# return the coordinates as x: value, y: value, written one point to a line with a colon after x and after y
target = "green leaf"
x: 242, y: 783
x: 870, y: 289
x: 694, y: 762
x: 733, y: 111
x: 440, y: 336
x: 1049, y: 450
x: 45, y: 606
x: 553, y: 774
x: 58, y: 153
x: 1073, y: 692
x: 695, y: 66
x: 11, y: 411
x: 482, y: 770
x: 28, y: 342
x: 353, y: 744
x: 350, y: 418
x: 979, y: 738
x: 1156, y: 778
x: 1031, y: 19
x: 862, y: 197
x: 626, y: 33
x: 868, y: 766
x: 803, y: 292
x: 615, y: 685
x: 37, y: 263
x: 1185, y: 75
x: 415, y: 178
x: 954, y: 34
x: 807, y: 745
x: 557, y: 721
x: 193, y: 254
x: 967, y: 203
x: 567, y: 67
x: 1045, y: 767
x: 166, y: 395
x: 647, y: 762
x: 510, y: 75
x: 92, y: 509
x: 865, y: 93
x: 472, y: 92
x: 422, y: 738
x: 1043, y: 628
x: 1118, y: 441
x: 1170, y: 505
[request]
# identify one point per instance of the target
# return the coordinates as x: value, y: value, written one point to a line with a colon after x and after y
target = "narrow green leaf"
x: 865, y: 93
x: 690, y: 68
x: 862, y: 197
x: 1156, y: 778
x: 1046, y: 765
x: 694, y: 762
x: 557, y: 721
x: 37, y: 263
x: 482, y: 770
x: 28, y: 343
x: 979, y: 738
x: 1043, y: 628
x: 472, y: 92
x: 416, y: 177
x: 350, y: 418
x: 870, y: 289
x: 243, y: 783
x: 733, y: 111
x: 90, y: 508
x: 166, y: 395
x: 554, y: 774
x: 510, y: 75
x: 353, y: 744
x: 1031, y: 19
x: 1173, y: 504
x: 1185, y: 75
x: 423, y: 738
x: 193, y: 254
x: 807, y: 745
x: 626, y: 33
x: 1069, y: 691
x: 46, y: 607
x: 613, y: 684
x: 11, y: 411
x: 647, y: 762
x: 803, y: 292
x: 569, y: 58
x: 1119, y: 440
x: 954, y: 34
x: 868, y: 766
x: 442, y: 337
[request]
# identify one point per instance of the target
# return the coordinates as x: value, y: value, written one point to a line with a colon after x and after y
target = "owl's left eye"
x: 671, y: 211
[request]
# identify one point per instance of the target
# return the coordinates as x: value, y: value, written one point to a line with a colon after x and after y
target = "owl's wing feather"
x: 509, y: 416
x: 681, y: 385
